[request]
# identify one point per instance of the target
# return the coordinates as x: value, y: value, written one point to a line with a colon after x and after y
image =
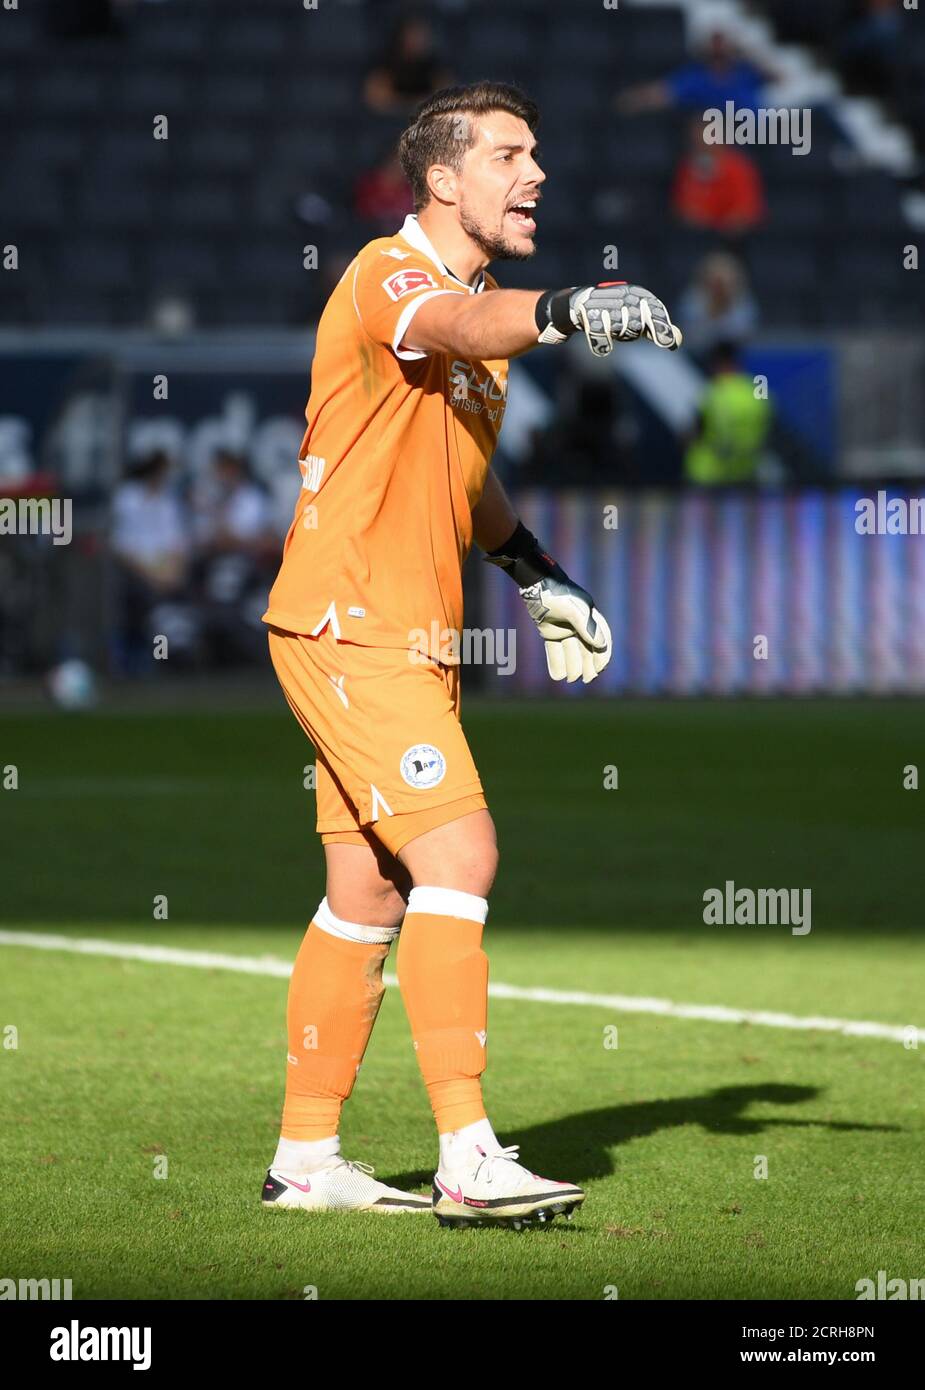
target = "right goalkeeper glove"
x: 576, y: 635
x: 605, y: 312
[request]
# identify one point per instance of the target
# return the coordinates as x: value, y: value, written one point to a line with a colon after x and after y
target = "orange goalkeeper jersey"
x: 393, y: 460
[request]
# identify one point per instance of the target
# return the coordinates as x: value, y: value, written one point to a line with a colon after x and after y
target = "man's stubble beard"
x: 492, y: 244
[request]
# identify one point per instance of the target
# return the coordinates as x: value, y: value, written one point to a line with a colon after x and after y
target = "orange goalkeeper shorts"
x: 392, y: 758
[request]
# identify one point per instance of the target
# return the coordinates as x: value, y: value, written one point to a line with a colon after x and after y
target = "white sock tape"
x: 448, y: 902
x: 351, y: 931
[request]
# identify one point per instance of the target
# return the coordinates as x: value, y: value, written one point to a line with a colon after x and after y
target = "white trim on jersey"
x: 414, y: 234
x: 404, y: 321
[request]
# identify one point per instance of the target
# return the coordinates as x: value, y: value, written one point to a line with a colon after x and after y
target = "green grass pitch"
x: 122, y: 1063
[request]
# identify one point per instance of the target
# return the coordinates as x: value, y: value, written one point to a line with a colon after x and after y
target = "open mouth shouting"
x: 521, y: 214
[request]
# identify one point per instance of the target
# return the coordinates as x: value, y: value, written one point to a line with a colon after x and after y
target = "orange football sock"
x: 443, y: 977
x: 334, y: 996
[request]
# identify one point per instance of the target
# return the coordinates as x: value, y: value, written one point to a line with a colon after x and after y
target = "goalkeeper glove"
x: 605, y: 312
x: 577, y: 638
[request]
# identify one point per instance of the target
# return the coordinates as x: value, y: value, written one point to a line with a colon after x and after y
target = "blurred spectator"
x: 151, y: 548
x: 237, y: 551
x: 410, y: 69
x: 717, y: 188
x: 718, y: 305
x: 171, y: 314
x: 871, y: 51
x: 313, y: 207
x: 718, y: 76
x: 733, y: 426
x: 232, y: 511
x: 382, y: 195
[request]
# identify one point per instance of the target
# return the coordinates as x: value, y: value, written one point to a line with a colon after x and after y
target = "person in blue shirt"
x: 720, y: 75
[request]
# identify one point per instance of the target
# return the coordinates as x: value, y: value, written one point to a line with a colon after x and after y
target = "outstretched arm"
x: 498, y: 323
x: 504, y: 323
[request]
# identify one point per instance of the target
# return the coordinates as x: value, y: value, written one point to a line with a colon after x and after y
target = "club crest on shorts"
x: 423, y: 766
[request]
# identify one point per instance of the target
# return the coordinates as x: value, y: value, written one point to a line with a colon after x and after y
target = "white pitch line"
x: 619, y: 1003
x: 155, y: 955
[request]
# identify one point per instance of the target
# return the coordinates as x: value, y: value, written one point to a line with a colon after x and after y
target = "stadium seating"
x: 263, y: 108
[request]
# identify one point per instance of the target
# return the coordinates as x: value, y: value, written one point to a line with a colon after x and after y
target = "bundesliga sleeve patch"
x: 406, y: 281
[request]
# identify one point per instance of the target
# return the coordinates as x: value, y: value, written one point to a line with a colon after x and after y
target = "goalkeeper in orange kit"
x: 409, y: 382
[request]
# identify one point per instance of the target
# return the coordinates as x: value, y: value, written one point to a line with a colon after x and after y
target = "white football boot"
x: 337, y: 1185
x: 490, y: 1188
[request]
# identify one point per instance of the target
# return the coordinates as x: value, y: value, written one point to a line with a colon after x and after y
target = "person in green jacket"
x: 733, y: 426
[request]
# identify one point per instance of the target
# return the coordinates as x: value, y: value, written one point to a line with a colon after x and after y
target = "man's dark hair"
x: 725, y: 355
x: 225, y: 455
x: 148, y: 465
x: 442, y: 131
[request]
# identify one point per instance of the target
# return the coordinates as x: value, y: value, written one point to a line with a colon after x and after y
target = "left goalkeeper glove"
x: 607, y: 312
x: 577, y: 638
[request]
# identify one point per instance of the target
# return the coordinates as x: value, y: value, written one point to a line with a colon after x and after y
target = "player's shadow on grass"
x: 576, y: 1148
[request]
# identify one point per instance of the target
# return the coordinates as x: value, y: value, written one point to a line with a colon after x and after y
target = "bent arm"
x: 494, y: 520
